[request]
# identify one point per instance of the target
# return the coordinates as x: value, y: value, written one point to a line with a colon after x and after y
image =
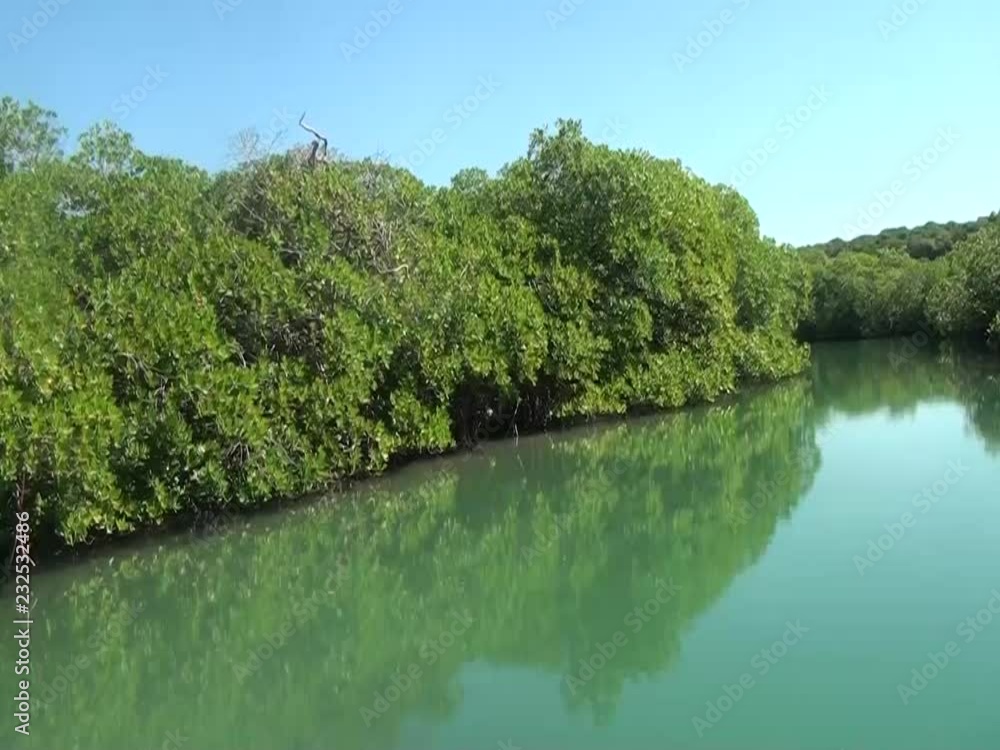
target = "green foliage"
x: 548, y: 548
x: 29, y: 136
x: 968, y: 298
x: 930, y: 241
x: 866, y: 295
x: 174, y: 340
x: 857, y: 295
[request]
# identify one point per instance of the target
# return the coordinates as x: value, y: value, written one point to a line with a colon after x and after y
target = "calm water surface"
x: 767, y: 573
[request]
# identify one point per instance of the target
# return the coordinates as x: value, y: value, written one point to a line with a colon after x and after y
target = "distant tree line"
x: 930, y: 241
x: 888, y: 291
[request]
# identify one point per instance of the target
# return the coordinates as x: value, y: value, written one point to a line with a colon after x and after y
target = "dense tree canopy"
x: 889, y: 293
x: 932, y: 240
x: 29, y: 135
x: 173, y: 340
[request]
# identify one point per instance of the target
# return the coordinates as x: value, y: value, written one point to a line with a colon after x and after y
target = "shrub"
x: 174, y: 340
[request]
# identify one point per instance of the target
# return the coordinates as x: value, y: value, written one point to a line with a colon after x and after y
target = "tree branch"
x: 320, y: 138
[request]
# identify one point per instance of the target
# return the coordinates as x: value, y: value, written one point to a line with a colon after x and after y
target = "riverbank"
x: 177, y: 344
x: 557, y: 545
x: 180, y: 344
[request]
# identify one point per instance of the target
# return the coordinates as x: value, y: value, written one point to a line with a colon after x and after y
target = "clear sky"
x: 471, y: 79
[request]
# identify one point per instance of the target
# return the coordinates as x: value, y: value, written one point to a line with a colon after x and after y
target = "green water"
x: 714, y: 567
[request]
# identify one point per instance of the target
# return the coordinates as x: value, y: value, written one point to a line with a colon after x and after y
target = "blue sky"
x: 838, y: 102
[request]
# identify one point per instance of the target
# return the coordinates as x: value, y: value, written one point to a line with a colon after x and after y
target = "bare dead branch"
x: 316, y: 152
